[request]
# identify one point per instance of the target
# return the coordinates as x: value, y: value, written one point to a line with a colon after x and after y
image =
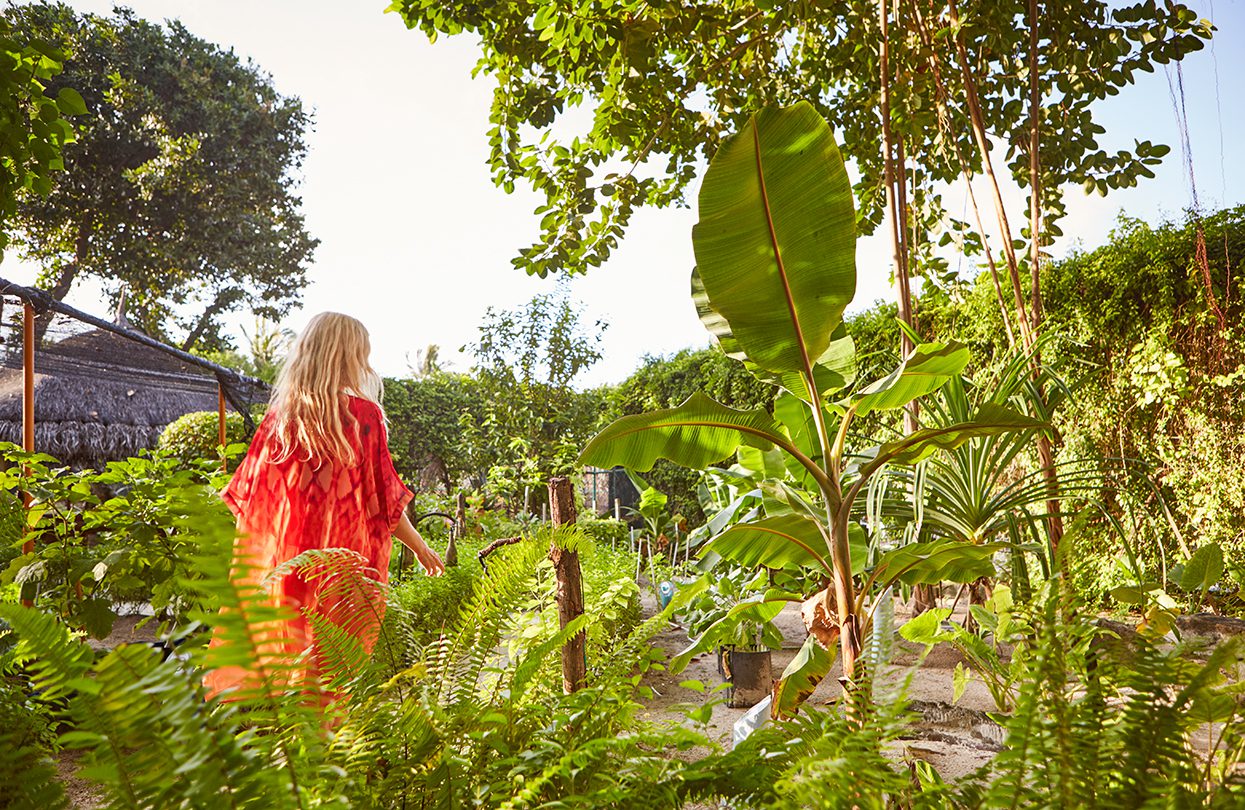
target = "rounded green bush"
x: 195, y: 435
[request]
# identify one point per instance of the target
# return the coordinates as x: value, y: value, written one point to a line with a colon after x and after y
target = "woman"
x: 318, y: 475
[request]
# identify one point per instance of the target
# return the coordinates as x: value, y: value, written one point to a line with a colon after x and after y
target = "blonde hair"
x: 328, y: 362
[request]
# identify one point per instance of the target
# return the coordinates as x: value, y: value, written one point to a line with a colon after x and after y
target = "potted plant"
x: 729, y: 619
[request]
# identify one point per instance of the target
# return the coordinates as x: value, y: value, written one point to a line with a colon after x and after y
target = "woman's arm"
x: 428, y: 559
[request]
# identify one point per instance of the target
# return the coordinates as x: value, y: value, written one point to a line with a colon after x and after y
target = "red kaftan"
x: 286, y: 507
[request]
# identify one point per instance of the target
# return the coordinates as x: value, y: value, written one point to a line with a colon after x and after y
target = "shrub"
x: 118, y: 535
x: 196, y: 435
x: 606, y: 531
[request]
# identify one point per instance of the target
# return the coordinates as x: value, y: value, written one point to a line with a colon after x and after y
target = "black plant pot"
x: 750, y: 673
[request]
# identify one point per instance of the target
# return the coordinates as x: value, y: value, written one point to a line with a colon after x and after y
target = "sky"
x: 416, y: 241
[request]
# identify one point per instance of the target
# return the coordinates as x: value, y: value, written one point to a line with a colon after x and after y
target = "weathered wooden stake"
x: 456, y: 531
x: 570, y: 586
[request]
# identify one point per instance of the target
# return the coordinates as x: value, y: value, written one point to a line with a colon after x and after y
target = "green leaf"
x: 775, y: 244
x: 937, y: 561
x: 1203, y: 569
x: 927, y: 369
x: 809, y: 667
x: 858, y: 543
x: 927, y: 628
x: 754, y: 613
x: 959, y: 682
x: 991, y: 419
x: 70, y: 102
x: 797, y: 418
x: 833, y: 371
x: 774, y: 542
x: 695, y: 434
x: 766, y: 463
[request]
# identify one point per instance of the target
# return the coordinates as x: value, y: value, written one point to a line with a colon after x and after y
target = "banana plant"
x: 775, y: 269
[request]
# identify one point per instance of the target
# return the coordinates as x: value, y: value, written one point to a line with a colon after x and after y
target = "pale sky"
x: 416, y: 241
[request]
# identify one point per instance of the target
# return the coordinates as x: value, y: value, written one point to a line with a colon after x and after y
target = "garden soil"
x: 956, y: 737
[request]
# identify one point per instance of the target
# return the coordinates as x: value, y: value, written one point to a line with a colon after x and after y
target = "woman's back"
x: 286, y: 504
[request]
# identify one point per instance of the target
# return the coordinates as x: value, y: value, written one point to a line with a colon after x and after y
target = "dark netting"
x: 101, y: 392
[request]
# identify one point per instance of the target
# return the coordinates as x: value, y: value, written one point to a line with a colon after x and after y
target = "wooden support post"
x: 222, y: 435
x: 570, y: 586
x: 406, y: 557
x: 28, y: 403
x: 456, y: 531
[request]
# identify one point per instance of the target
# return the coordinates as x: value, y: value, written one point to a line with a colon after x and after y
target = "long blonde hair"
x: 329, y: 361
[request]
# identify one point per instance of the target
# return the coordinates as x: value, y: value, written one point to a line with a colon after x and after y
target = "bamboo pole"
x: 28, y: 377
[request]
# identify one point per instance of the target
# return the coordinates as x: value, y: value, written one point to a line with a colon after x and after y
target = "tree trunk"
x: 944, y: 121
x: 64, y: 283
x: 1046, y: 456
x: 222, y: 300
x: 1029, y: 317
x: 895, y: 204
x: 570, y: 593
x: 924, y: 597
x: 456, y: 531
x: 897, y: 214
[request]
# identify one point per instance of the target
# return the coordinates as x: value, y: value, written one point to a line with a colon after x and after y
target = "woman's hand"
x: 429, y: 560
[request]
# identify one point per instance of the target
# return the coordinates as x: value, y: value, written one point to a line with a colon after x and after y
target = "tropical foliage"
x: 775, y: 248
x: 1061, y: 437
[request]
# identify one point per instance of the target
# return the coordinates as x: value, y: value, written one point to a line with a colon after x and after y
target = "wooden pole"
x: 570, y: 592
x: 456, y: 531
x: 221, y: 434
x: 28, y: 378
x: 28, y: 404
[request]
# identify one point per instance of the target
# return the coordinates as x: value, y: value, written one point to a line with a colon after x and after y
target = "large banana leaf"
x: 833, y: 371
x: 695, y: 434
x: 775, y: 244
x: 991, y: 420
x: 775, y: 542
x: 810, y: 665
x: 797, y: 418
x: 927, y: 369
x: 936, y: 561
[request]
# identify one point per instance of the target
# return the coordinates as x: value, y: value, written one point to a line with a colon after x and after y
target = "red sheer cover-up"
x: 288, y: 506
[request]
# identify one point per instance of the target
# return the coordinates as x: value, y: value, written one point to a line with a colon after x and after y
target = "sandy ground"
x: 956, y: 738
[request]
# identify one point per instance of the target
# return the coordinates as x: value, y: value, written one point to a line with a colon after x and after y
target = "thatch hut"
x: 99, y: 396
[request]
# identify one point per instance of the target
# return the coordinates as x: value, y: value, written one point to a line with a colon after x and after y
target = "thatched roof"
x: 101, y: 397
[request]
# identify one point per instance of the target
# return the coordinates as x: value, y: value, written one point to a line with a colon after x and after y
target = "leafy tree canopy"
x: 178, y: 188
x: 531, y: 423
x: 660, y: 84
x: 33, y: 128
